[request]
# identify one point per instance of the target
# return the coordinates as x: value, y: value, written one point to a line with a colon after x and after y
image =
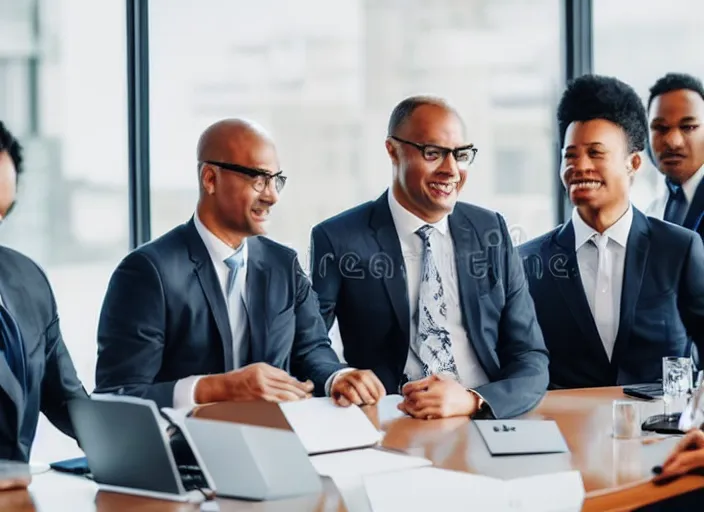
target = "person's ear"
x: 392, y: 151
x: 634, y: 163
x: 207, y: 179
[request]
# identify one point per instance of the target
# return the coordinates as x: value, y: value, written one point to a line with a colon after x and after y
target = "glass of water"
x: 676, y: 383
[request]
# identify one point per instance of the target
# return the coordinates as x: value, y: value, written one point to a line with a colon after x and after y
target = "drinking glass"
x: 676, y: 383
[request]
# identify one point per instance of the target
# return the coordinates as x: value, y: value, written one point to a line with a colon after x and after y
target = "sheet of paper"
x: 324, y: 427
x: 432, y: 489
x: 440, y: 489
x: 565, y: 489
x: 365, y: 461
x: 387, y: 408
x: 514, y: 437
x: 353, y: 494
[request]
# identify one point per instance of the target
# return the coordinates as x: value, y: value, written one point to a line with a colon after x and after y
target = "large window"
x: 639, y: 41
x: 63, y: 94
x: 324, y: 76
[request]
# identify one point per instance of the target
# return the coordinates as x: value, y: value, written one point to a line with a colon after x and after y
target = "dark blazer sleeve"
x: 325, y: 274
x: 312, y: 355
x: 691, y: 293
x: 60, y: 383
x: 131, y: 333
x: 523, y: 358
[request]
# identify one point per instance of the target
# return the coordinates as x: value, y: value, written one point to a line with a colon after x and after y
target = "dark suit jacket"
x: 694, y: 219
x: 359, y: 275
x: 164, y: 318
x: 52, y: 379
x: 662, y: 304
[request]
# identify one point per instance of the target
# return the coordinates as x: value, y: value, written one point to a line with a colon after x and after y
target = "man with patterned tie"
x: 213, y: 311
x: 36, y: 371
x: 617, y: 290
x: 676, y: 112
x: 428, y: 292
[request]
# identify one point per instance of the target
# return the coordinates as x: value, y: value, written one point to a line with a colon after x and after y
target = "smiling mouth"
x: 261, y: 213
x: 586, y: 185
x: 445, y: 188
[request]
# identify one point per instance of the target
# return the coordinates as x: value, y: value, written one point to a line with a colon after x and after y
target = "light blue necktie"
x: 432, y: 344
x: 235, y: 309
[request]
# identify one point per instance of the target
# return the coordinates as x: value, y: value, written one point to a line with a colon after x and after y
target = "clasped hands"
x: 437, y: 396
x: 261, y: 381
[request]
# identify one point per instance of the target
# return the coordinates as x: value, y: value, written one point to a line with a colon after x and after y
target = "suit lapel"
x: 386, y: 236
x: 256, y: 288
x: 695, y: 212
x: 637, y: 249
x: 11, y: 293
x: 470, y: 262
x: 564, y: 269
x: 211, y: 289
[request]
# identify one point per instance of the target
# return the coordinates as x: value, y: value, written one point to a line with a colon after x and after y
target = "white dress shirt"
x: 219, y: 251
x: 601, y: 259
x: 470, y: 372
x: 689, y: 187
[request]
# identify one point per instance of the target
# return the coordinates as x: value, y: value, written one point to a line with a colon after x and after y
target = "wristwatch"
x: 483, y: 410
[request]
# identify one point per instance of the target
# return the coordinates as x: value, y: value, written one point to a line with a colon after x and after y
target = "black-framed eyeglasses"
x: 261, y: 177
x: 464, y: 155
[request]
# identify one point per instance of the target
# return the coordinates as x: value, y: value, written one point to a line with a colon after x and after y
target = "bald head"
x: 227, y: 140
x: 404, y: 110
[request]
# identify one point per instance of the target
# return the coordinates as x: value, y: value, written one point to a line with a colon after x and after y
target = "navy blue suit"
x: 358, y: 271
x: 51, y: 380
x: 165, y: 318
x: 661, y: 310
x: 694, y: 219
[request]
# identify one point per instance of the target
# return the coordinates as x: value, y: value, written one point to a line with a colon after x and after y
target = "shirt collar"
x: 618, y: 232
x: 689, y: 187
x: 406, y: 223
x: 219, y: 251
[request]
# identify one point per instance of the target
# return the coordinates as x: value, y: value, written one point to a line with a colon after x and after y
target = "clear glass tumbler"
x: 676, y: 383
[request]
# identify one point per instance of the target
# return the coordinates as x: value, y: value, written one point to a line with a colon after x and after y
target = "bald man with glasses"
x: 212, y: 311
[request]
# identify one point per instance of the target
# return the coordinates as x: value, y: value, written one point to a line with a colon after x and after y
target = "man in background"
x: 36, y: 371
x: 676, y: 114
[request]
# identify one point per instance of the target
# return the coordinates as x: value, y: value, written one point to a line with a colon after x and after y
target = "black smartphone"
x: 644, y: 391
x: 77, y: 466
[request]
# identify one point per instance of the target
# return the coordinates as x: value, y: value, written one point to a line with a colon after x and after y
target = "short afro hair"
x: 603, y: 97
x: 10, y: 144
x: 675, y: 82
x: 406, y: 107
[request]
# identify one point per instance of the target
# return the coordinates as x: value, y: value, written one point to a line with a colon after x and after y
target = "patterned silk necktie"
x: 12, y: 347
x: 676, y: 207
x: 432, y: 344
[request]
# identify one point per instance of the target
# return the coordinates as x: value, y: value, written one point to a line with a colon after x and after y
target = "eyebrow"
x: 685, y: 119
x: 589, y: 144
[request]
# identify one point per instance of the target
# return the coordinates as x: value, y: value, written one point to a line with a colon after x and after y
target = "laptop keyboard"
x: 192, y: 478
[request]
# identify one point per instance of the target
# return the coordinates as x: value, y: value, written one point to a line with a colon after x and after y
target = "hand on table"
x: 359, y: 387
x: 258, y: 381
x: 437, y: 396
x: 687, y: 455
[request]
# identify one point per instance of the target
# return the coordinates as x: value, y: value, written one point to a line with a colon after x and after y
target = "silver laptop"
x: 127, y: 448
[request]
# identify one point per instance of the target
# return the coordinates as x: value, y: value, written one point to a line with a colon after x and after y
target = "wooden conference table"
x: 616, y: 473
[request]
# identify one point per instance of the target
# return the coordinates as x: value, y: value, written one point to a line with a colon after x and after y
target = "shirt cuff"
x: 331, y: 379
x: 185, y: 392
